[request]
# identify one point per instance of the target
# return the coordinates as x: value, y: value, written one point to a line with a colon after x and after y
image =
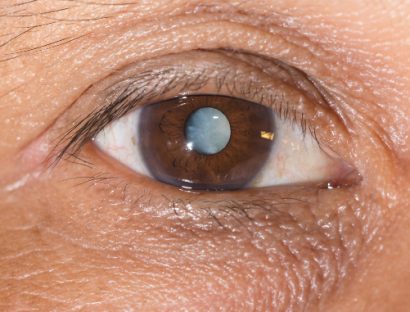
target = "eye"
x: 215, y: 142
x: 214, y: 121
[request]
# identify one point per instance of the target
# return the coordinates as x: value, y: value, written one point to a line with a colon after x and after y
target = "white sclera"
x: 296, y: 158
x: 207, y: 131
x: 120, y: 140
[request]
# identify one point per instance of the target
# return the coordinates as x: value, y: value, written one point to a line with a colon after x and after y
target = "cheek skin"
x: 120, y: 244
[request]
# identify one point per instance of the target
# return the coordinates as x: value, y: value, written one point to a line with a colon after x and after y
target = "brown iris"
x: 172, y: 158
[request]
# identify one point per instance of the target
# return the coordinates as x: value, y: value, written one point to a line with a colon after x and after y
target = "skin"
x: 126, y: 242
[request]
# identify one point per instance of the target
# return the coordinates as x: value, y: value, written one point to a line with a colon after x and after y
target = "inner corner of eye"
x: 217, y: 143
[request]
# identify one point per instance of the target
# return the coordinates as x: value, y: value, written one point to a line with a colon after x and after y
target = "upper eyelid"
x: 191, y: 76
x: 142, y: 87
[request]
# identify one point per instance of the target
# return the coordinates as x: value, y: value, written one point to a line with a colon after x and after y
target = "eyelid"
x: 157, y: 79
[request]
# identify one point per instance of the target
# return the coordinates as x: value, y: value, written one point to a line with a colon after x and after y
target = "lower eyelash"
x: 224, y: 214
x: 92, y: 179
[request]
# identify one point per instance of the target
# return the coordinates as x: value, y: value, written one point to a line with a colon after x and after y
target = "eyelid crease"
x: 147, y: 86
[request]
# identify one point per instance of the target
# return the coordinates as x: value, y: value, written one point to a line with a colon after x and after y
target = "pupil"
x: 207, y: 131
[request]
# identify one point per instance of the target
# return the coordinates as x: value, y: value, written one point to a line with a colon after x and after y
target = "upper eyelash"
x: 151, y: 84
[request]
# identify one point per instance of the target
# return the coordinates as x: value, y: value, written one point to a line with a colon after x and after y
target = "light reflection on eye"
x: 180, y: 142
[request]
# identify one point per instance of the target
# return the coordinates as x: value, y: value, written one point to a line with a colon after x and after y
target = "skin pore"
x: 86, y: 233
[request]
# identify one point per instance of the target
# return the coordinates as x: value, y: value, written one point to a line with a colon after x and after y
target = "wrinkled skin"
x: 70, y: 242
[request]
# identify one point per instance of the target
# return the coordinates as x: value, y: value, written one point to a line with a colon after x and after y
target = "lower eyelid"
x: 298, y: 234
x: 204, y: 207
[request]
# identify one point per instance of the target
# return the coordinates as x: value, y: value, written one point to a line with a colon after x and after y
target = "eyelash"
x: 149, y: 86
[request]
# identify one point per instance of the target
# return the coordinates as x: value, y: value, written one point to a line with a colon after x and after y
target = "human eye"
x: 219, y: 121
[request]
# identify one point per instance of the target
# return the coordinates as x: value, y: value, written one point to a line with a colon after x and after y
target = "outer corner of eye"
x: 211, y: 142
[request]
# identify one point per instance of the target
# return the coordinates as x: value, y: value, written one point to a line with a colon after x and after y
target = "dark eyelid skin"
x: 114, y: 240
